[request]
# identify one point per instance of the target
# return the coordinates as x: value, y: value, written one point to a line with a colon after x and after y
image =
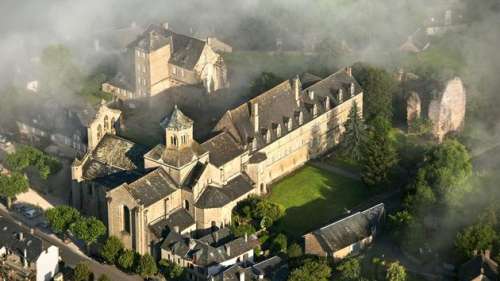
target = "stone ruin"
x: 442, y: 103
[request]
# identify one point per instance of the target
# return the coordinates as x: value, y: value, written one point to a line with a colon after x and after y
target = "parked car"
x: 31, y: 213
x: 43, y: 224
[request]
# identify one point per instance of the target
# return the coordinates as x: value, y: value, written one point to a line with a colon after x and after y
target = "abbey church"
x: 192, y: 187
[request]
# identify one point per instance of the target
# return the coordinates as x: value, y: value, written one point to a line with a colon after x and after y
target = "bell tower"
x: 179, y: 131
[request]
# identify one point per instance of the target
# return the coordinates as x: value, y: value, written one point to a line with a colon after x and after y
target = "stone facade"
x: 192, y: 188
x: 160, y: 59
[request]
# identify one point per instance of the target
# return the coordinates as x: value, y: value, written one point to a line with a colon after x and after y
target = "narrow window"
x: 126, y: 219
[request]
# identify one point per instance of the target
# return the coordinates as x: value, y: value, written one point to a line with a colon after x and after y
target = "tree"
x: 395, y: 272
x: 12, y: 185
x: 279, y: 243
x: 447, y: 170
x: 147, y: 266
x: 126, y: 260
x: 265, y: 81
x: 478, y: 237
x: 170, y: 270
x: 241, y: 229
x: 88, y: 229
x: 111, y: 249
x: 29, y: 156
x: 104, y: 277
x: 379, y: 154
x: 398, y: 222
x: 81, y: 272
x: 350, y: 270
x: 423, y: 199
x: 311, y: 270
x: 61, y: 217
x: 294, y: 251
x: 354, y: 136
x: 59, y: 70
x: 378, y: 86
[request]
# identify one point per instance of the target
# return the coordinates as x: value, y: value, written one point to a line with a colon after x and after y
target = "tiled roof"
x: 180, y: 218
x: 119, y: 153
x: 216, y: 197
x: 152, y: 187
x: 223, y: 148
x: 178, y: 120
x: 350, y: 230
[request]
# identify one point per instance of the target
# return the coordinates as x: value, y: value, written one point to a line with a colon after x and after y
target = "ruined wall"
x: 447, y: 112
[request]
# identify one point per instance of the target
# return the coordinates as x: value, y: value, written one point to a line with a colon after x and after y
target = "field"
x: 313, y: 197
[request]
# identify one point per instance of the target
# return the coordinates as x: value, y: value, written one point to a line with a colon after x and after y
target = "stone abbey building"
x: 192, y: 187
x: 160, y: 59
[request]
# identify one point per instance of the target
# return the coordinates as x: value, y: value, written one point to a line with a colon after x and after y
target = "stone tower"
x: 179, y: 131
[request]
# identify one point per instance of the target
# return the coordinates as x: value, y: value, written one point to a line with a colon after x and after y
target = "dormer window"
x: 289, y: 124
x: 315, y: 110
x: 301, y: 118
x: 254, y: 144
x: 311, y: 95
x: 353, y: 89
x: 327, y: 103
x: 340, y: 95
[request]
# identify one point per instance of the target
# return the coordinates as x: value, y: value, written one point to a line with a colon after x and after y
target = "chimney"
x: 246, y: 237
x: 296, y: 89
x: 192, y: 243
x: 241, y: 276
x: 348, y: 70
x: 327, y: 103
x: 255, y: 116
x: 311, y: 94
x: 216, y: 236
x: 165, y: 25
x: 176, y: 229
x: 228, y: 250
x: 20, y: 235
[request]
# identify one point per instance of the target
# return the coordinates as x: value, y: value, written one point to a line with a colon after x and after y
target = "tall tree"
x: 88, y: 229
x: 311, y: 270
x: 126, y: 260
x: 350, y: 270
x: 147, y: 266
x: 378, y: 86
x: 395, y: 272
x: 379, y: 154
x: 111, y: 249
x: 61, y: 217
x: 12, y: 185
x: 81, y: 272
x: 354, y: 135
x: 478, y: 237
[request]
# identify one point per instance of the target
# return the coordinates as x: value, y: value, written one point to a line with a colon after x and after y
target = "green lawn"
x: 313, y: 197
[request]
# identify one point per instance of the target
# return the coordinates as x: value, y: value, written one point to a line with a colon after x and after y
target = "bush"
x: 104, y: 277
x: 279, y: 243
x: 111, y: 249
x: 242, y: 229
x: 126, y: 260
x: 171, y: 271
x: 81, y: 272
x: 294, y: 251
x: 147, y: 266
x: 29, y: 156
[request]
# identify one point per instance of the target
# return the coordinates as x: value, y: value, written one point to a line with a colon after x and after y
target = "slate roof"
x: 194, y: 175
x: 9, y: 238
x: 185, y: 50
x: 480, y: 265
x: 350, y: 230
x: 278, y: 105
x: 174, y: 157
x: 216, y: 197
x: 223, y: 148
x: 178, y: 120
x: 119, y: 153
x: 264, y: 269
x: 204, y: 254
x: 152, y: 187
x: 180, y: 218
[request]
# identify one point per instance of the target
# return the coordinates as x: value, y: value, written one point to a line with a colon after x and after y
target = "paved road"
x: 72, y: 256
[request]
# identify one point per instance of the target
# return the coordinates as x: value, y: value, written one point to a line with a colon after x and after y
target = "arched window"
x: 112, y: 124
x: 186, y: 205
x: 262, y: 188
x: 173, y: 140
x: 106, y: 124
x: 99, y: 131
x: 126, y: 219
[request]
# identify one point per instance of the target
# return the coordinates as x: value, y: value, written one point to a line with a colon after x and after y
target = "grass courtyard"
x: 313, y: 197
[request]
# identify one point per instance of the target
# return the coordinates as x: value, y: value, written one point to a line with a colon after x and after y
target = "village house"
x: 160, y: 59
x: 266, y: 270
x: 346, y: 236
x: 24, y: 256
x: 194, y: 187
x: 210, y: 254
